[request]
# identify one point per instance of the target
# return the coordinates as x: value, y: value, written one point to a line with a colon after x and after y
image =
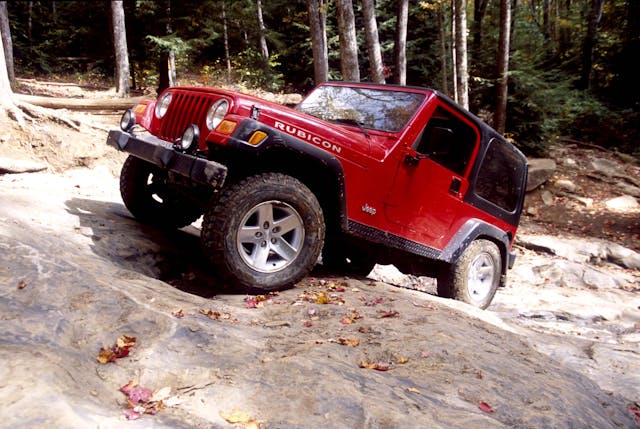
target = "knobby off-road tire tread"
x: 217, y: 244
x: 452, y: 281
x: 138, y: 199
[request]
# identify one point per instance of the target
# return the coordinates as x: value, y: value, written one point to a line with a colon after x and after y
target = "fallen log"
x: 83, y: 104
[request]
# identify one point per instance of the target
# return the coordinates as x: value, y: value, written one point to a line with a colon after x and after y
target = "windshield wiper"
x: 347, y: 121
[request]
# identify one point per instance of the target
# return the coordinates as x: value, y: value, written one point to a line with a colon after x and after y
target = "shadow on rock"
x: 173, y: 256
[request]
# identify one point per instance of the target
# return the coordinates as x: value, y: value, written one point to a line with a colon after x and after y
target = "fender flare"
x: 471, y: 230
x: 280, y: 140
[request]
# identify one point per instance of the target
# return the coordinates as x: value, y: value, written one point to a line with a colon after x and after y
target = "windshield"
x: 373, y: 108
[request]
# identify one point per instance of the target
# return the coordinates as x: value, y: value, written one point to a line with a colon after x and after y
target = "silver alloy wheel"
x: 270, y: 236
x: 481, y: 277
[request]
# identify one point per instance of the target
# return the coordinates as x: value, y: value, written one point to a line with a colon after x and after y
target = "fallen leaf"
x: 307, y: 324
x: 177, y: 313
x: 389, y: 313
x: 106, y: 356
x: 323, y: 298
x: 635, y: 410
x: 374, y: 302
x: 119, y: 350
x: 414, y: 390
x: 132, y: 414
x: 351, y: 342
x: 255, y: 301
x: 346, y: 320
x: 367, y: 364
x: 485, y: 407
x: 126, y: 341
x: 402, y: 360
x: 237, y: 416
x: 22, y: 284
x: 215, y: 315
x: 136, y: 393
x: 378, y: 366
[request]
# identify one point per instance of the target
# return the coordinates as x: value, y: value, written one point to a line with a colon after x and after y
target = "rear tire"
x: 265, y: 232
x: 475, y: 277
x: 147, y: 195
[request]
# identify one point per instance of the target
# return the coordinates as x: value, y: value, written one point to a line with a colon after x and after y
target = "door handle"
x: 454, y: 187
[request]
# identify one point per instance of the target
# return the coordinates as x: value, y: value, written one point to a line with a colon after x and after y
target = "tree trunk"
x: 5, y: 31
x: 400, y: 43
x: 7, y: 100
x: 120, y: 46
x: 454, y: 60
x: 225, y: 35
x: 590, y: 41
x: 348, y: 42
x: 6, y: 94
x: 171, y: 55
x: 443, y: 51
x: 461, y: 53
x: 564, y: 33
x: 477, y: 33
x: 318, y: 26
x: 264, y: 50
x: 373, y: 41
x: 500, y: 117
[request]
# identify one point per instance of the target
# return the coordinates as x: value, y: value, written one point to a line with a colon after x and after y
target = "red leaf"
x: 132, y: 414
x: 120, y: 352
x: 139, y: 394
x: 485, y: 407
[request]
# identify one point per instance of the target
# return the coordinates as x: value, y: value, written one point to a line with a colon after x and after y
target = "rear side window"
x: 448, y: 141
x: 501, y: 176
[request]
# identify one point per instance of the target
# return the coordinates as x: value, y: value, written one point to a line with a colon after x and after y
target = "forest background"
x: 562, y: 68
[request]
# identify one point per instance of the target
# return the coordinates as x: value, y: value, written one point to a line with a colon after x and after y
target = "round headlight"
x: 190, y: 138
x: 216, y: 113
x: 128, y: 120
x: 163, y: 104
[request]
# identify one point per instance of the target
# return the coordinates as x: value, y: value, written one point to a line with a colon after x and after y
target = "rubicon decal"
x: 306, y: 135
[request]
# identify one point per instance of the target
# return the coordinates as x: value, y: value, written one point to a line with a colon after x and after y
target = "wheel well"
x: 325, y: 181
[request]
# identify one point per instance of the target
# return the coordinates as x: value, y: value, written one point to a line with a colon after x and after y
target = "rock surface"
x: 540, y: 170
x: 79, y: 272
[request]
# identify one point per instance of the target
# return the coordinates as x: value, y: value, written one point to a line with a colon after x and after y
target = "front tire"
x: 475, y: 277
x: 265, y: 232
x: 147, y: 195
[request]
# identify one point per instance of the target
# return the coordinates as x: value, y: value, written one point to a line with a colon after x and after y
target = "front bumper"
x: 163, y: 155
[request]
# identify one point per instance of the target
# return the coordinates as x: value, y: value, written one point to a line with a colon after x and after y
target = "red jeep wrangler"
x: 356, y: 173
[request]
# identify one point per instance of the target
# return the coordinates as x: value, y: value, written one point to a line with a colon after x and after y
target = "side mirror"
x: 413, y: 159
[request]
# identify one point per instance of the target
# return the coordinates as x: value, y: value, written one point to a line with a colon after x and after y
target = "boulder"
x: 604, y: 166
x: 625, y: 202
x: 10, y: 165
x: 540, y: 170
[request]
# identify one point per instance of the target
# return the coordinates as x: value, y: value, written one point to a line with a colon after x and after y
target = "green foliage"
x: 73, y: 37
x: 248, y: 70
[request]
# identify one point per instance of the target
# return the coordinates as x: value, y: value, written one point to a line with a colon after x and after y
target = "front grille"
x: 186, y: 108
